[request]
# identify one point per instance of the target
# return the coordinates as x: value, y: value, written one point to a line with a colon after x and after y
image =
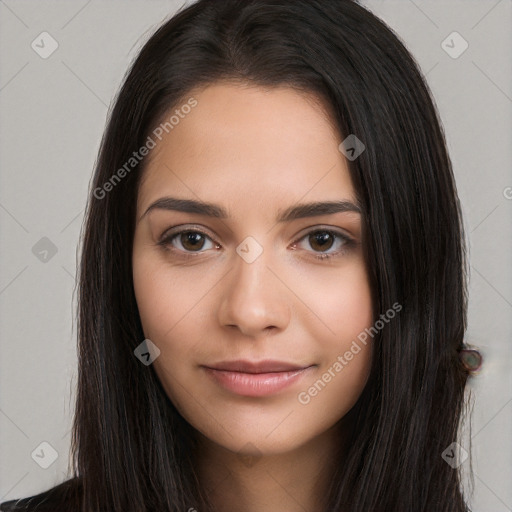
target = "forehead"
x: 246, y: 142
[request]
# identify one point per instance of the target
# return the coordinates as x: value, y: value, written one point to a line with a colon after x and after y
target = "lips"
x: 257, y: 379
x: 266, y: 366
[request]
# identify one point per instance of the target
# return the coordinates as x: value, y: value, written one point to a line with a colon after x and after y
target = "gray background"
x: 53, y: 115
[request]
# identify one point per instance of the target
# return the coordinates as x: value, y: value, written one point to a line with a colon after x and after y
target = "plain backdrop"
x: 53, y: 113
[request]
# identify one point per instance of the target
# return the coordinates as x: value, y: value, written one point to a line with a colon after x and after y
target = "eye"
x: 188, y: 241
x: 326, y: 243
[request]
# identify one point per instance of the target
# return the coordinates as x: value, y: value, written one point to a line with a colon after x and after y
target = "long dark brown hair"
x: 132, y: 450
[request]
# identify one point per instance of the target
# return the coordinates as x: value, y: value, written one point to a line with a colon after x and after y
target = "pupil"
x: 321, y: 239
x: 192, y: 239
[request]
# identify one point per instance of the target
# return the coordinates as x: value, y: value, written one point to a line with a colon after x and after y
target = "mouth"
x: 256, y: 379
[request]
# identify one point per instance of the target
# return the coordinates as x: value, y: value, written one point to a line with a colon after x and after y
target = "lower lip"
x: 256, y: 384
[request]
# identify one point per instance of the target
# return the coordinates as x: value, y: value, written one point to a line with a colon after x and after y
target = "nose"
x: 254, y: 300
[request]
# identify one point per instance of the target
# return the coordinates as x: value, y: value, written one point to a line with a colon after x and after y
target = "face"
x: 255, y: 277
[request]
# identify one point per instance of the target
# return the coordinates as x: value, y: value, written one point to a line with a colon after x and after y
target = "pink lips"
x: 256, y: 379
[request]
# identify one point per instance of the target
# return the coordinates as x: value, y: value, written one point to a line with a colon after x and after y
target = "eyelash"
x: 166, y: 242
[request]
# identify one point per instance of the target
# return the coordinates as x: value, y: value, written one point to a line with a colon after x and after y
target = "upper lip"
x: 266, y: 366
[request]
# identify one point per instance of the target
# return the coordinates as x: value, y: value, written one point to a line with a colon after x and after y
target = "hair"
x: 131, y: 449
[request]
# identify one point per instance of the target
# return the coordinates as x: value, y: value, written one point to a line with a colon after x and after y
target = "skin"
x: 255, y: 152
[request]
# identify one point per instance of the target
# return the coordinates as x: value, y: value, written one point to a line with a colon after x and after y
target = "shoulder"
x: 63, y: 497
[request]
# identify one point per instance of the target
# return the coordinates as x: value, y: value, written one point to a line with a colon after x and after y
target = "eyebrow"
x: 299, y: 211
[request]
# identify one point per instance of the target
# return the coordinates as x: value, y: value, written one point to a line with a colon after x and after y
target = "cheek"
x: 341, y: 300
x: 161, y: 308
x: 171, y: 309
x: 154, y: 300
x: 165, y: 299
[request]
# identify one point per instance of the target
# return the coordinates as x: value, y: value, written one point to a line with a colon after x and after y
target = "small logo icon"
x: 454, y: 455
x: 351, y: 147
x: 45, y: 455
x: 44, y: 249
x: 454, y: 45
x: 249, y: 455
x: 44, y: 45
x: 147, y: 352
x: 249, y: 249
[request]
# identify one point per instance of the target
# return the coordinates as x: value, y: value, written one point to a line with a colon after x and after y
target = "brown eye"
x: 192, y: 240
x: 325, y: 243
x: 188, y: 241
x: 321, y: 240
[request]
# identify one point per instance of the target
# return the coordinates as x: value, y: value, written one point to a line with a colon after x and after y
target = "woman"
x: 272, y: 283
